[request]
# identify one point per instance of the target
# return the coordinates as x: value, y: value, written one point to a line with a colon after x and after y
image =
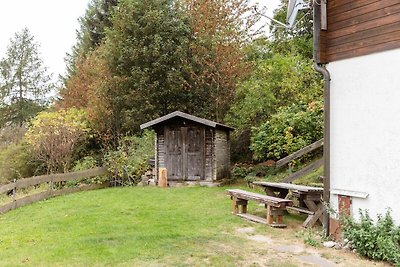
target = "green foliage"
x: 130, y: 160
x: 92, y: 31
x: 86, y: 163
x: 54, y: 136
x: 277, y: 81
x: 380, y: 241
x: 287, y: 131
x: 297, y: 40
x: 240, y: 172
x: 147, y: 51
x: 16, y: 162
x: 24, y: 81
x: 311, y: 239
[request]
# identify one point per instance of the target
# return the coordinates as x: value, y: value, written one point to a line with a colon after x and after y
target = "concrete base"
x: 192, y: 183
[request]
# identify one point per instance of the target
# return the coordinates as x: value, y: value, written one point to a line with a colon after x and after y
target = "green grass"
x: 123, y: 226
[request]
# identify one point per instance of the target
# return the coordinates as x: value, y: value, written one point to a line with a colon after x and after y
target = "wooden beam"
x: 306, y: 170
x: 63, y: 177
x: 300, y: 153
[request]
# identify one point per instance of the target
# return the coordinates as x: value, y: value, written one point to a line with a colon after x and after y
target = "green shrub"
x: 86, y: 163
x: 16, y: 162
x: 380, y: 241
x: 130, y: 160
x: 289, y: 130
x: 240, y: 172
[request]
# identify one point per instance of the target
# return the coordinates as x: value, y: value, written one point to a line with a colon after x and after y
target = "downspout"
x: 327, y: 84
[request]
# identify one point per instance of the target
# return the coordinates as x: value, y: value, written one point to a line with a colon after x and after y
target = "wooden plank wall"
x: 208, y: 153
x: 360, y: 27
x: 222, y: 154
x: 161, y: 150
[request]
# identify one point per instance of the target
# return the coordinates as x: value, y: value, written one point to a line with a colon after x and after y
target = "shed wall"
x: 360, y: 27
x: 209, y: 152
x: 221, y: 154
x: 365, y: 146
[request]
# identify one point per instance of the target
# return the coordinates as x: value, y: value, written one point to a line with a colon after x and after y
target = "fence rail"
x: 300, y: 153
x: 52, y: 178
x: 305, y: 170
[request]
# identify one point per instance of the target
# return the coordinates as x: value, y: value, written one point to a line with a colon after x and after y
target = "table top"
x: 301, y: 188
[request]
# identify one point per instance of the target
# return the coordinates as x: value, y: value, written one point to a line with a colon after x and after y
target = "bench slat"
x: 274, y: 201
x: 301, y: 210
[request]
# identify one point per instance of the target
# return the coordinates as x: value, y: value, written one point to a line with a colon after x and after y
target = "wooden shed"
x: 191, y: 148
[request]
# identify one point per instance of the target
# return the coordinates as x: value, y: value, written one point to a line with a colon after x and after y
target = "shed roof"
x: 183, y: 115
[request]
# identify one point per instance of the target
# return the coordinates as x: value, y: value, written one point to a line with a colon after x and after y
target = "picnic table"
x: 275, y: 206
x: 310, y: 199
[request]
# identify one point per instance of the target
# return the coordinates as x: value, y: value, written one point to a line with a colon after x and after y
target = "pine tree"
x: 24, y: 82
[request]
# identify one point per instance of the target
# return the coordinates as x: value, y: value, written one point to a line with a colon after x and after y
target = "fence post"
x: 52, y: 184
x: 14, y: 192
x: 290, y: 164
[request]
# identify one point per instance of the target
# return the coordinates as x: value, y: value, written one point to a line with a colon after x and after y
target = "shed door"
x: 194, y: 153
x: 174, y: 153
x: 185, y: 153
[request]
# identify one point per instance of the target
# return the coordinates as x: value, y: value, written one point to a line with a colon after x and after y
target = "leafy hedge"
x: 130, y: 160
x: 289, y: 130
x: 380, y: 241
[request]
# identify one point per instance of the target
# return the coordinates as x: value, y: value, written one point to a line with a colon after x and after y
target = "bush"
x: 55, y: 135
x: 86, y: 163
x: 129, y: 162
x: 16, y: 162
x: 380, y: 241
x: 289, y: 130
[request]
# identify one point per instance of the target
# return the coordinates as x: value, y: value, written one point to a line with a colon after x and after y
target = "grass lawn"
x: 122, y: 226
x: 139, y: 226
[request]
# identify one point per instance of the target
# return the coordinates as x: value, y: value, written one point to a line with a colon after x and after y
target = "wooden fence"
x: 51, y: 179
x: 306, y: 170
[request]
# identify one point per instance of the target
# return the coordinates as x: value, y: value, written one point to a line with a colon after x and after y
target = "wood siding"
x: 208, y: 153
x: 361, y: 27
x: 222, y: 155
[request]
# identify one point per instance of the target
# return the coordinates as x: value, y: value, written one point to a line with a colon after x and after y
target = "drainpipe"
x: 327, y: 84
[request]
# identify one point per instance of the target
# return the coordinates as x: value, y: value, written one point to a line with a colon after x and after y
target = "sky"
x: 53, y: 23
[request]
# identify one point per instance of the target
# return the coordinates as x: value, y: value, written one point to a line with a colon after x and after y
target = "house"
x: 357, y: 48
x: 191, y: 148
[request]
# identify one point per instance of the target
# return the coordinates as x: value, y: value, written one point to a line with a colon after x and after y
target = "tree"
x: 54, y: 136
x: 297, y: 40
x: 221, y: 29
x: 24, y: 82
x: 92, y: 32
x: 147, y: 51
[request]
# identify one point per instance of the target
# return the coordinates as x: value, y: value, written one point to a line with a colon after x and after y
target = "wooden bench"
x: 275, y: 206
x: 310, y: 199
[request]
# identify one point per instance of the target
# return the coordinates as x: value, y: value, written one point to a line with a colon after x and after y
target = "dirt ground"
x: 279, y: 250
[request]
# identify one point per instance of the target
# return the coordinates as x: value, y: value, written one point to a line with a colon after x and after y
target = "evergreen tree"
x: 147, y: 51
x: 24, y: 82
x: 92, y: 31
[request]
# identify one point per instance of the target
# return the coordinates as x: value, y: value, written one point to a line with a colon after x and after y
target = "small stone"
x: 347, y: 247
x: 329, y: 244
x: 338, y: 246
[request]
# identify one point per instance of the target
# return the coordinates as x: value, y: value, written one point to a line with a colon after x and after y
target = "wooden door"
x: 194, y: 153
x: 174, y: 153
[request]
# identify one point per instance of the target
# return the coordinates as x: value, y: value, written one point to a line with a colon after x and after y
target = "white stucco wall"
x: 365, y: 131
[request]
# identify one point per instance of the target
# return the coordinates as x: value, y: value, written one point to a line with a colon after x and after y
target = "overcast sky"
x: 53, y: 23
